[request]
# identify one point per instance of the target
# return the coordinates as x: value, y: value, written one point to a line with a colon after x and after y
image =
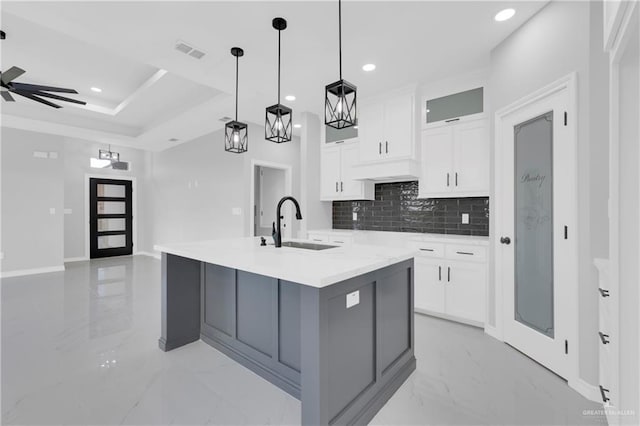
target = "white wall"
x: 31, y: 235
x: 76, y: 167
x: 552, y: 44
x: 196, y: 185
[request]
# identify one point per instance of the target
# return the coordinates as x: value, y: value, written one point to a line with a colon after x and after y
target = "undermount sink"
x: 307, y: 246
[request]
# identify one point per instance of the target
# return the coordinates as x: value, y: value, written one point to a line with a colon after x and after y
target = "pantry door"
x: 110, y: 217
x: 536, y: 232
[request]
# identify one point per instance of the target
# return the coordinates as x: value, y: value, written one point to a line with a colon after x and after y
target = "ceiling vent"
x: 225, y: 119
x: 188, y: 49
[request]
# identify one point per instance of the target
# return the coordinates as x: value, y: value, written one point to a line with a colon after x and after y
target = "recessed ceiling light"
x: 505, y: 14
x: 297, y: 126
x: 369, y: 67
x: 96, y: 89
x: 290, y: 98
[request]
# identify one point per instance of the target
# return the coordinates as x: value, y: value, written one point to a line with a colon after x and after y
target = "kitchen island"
x: 334, y: 327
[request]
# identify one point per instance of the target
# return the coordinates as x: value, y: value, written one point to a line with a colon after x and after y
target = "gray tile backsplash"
x: 397, y: 208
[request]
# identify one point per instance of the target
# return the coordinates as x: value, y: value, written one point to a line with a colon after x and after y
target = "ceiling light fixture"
x: 504, y: 15
x: 96, y: 89
x: 277, y: 123
x: 104, y: 154
x: 340, y: 96
x: 369, y: 67
x: 290, y: 98
x: 236, y: 135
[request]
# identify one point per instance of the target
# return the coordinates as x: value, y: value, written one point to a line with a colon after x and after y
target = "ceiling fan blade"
x: 7, y: 96
x: 60, y: 98
x: 37, y: 99
x: 37, y: 88
x: 11, y: 74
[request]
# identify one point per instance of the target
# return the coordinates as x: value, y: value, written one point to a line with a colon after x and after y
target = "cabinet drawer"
x: 318, y: 238
x: 466, y: 252
x: 427, y: 249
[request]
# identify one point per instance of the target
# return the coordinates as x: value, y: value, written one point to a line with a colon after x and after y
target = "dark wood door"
x: 111, y: 217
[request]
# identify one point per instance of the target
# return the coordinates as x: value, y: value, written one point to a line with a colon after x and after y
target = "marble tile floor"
x: 80, y: 348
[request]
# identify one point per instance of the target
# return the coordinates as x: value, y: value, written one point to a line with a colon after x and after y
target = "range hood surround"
x: 389, y: 171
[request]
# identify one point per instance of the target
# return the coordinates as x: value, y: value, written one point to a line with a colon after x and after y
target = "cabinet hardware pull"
x: 439, y: 273
x: 456, y: 178
x: 465, y: 252
x: 386, y: 146
x: 453, y: 119
x: 603, y: 337
x: 603, y: 292
x: 341, y: 186
x: 505, y: 240
x: 447, y: 179
x: 336, y: 186
x: 604, y: 397
x: 338, y: 242
x: 337, y: 142
x: 380, y: 148
x: 423, y: 249
x: 317, y: 239
x: 448, y: 273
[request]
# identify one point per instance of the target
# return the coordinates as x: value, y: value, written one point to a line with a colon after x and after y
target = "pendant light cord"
x: 236, y: 88
x: 340, y: 34
x: 279, y: 31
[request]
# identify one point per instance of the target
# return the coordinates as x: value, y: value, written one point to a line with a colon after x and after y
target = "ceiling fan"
x: 34, y: 92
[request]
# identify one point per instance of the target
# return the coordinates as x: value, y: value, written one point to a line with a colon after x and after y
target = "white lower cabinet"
x: 447, y: 286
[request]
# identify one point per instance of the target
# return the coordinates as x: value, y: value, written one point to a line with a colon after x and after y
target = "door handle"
x: 505, y: 240
x: 604, y: 337
x: 439, y: 273
x: 602, y: 393
x: 380, y: 148
x: 603, y: 292
x: 341, y: 186
x: 386, y: 147
x: 456, y: 178
x: 336, y: 186
x: 447, y: 179
x: 448, y: 273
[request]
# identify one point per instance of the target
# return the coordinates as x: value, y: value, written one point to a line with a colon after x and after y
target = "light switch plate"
x: 355, y: 216
x: 68, y: 211
x: 40, y: 154
x: 465, y: 218
x: 353, y: 299
x: 53, y: 154
x: 52, y: 210
x: 236, y: 211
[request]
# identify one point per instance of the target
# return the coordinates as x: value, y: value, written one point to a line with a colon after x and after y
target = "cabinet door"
x: 330, y: 173
x: 471, y: 157
x: 370, y: 131
x: 465, y: 293
x: 398, y: 127
x: 437, y: 162
x: 350, y: 188
x: 428, y: 285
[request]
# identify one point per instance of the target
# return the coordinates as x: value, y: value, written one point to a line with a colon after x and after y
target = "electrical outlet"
x: 236, y: 211
x: 355, y: 216
x: 353, y: 299
x: 465, y: 218
x: 52, y: 210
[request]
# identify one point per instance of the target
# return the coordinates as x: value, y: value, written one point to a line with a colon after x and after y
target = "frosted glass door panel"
x: 534, y: 224
x: 111, y: 241
x: 111, y: 207
x: 112, y: 225
x: 106, y: 190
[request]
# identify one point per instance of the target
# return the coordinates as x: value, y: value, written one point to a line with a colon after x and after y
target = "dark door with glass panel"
x: 111, y: 217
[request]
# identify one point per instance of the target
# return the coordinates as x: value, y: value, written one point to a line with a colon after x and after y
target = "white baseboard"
x: 585, y: 389
x: 146, y: 253
x: 493, y: 332
x: 75, y: 259
x: 21, y: 272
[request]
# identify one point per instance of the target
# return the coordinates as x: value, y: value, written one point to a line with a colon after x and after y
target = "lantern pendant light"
x: 278, y: 124
x: 340, y: 96
x: 236, y: 135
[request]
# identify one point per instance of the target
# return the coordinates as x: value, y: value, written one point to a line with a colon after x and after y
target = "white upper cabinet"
x: 336, y: 169
x: 387, y: 128
x: 455, y: 160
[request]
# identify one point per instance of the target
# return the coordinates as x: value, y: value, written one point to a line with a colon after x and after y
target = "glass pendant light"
x: 340, y: 96
x: 236, y: 135
x: 277, y: 124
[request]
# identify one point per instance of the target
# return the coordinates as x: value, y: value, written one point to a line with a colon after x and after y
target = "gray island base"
x: 342, y: 349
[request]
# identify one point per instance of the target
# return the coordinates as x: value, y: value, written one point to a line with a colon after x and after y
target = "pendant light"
x: 277, y: 124
x: 236, y: 135
x: 340, y: 97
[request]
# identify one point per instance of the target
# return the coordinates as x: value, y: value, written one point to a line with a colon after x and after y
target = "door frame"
x: 288, y: 183
x: 87, y: 200
x: 568, y: 83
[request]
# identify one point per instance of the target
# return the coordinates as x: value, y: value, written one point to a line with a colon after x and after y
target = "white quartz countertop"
x: 309, y: 267
x: 388, y: 237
